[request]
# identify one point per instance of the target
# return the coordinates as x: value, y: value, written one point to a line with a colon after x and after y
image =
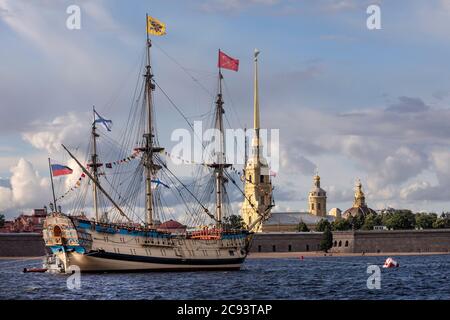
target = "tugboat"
x: 119, y: 239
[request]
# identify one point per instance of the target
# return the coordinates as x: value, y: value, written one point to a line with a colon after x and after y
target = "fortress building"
x: 317, y: 199
x: 258, y: 186
x: 359, y: 204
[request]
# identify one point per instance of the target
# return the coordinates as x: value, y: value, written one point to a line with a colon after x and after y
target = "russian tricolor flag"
x: 60, y: 170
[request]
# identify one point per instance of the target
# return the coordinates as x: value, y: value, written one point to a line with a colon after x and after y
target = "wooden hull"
x: 125, y: 263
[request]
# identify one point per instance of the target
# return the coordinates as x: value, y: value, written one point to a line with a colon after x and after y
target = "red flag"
x: 227, y: 62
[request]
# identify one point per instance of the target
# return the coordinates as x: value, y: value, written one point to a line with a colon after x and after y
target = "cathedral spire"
x: 360, y: 198
x: 256, y: 123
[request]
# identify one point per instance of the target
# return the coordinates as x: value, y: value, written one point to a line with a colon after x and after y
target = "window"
x: 318, y: 206
x: 250, y: 178
x: 340, y: 243
x: 274, y: 248
x: 312, y: 206
x: 261, y: 178
x: 259, y: 248
x: 290, y: 248
x: 346, y: 243
x: 335, y: 243
x: 307, y: 247
x: 231, y: 252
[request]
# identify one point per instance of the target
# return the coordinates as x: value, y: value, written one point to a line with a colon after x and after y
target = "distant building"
x: 317, y: 199
x: 359, y: 204
x: 172, y: 226
x: 289, y: 221
x: 26, y: 223
x: 335, y: 212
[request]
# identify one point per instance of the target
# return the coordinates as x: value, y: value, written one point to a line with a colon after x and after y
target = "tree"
x: 441, y: 223
x: 322, y: 225
x: 302, y: 227
x: 371, y: 220
x: 356, y: 222
x: 327, y: 240
x: 233, y: 222
x: 400, y: 220
x: 341, y: 225
x: 2, y: 220
x: 425, y: 220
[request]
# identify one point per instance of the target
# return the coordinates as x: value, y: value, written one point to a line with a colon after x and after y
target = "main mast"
x: 149, y: 149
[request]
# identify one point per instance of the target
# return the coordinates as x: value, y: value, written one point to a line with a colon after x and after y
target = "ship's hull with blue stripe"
x: 92, y: 247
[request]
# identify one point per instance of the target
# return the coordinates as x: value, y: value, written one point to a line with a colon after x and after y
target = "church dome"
x: 359, y: 204
x: 357, y: 211
x: 316, y: 190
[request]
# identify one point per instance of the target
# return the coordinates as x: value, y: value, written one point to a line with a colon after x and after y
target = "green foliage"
x: 399, y: 220
x: 356, y: 222
x: 2, y: 220
x: 371, y: 220
x: 425, y: 220
x: 341, y: 225
x: 327, y: 241
x: 393, y: 219
x: 322, y: 225
x: 233, y: 222
x: 442, y: 222
x: 302, y: 227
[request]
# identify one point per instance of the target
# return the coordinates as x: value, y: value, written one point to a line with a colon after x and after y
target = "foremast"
x: 94, y: 165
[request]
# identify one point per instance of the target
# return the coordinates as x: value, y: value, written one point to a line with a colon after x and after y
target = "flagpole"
x: 53, y: 187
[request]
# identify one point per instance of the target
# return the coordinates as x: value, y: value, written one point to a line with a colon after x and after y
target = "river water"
x: 418, y: 277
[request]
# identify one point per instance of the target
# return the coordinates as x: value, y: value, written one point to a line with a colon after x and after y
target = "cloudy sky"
x: 353, y: 102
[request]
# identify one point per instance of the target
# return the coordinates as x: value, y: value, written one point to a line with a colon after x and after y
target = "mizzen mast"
x: 219, y: 164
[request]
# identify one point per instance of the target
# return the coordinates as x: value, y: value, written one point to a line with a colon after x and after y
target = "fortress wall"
x: 397, y: 241
x: 356, y: 241
x: 21, y: 245
x: 280, y: 241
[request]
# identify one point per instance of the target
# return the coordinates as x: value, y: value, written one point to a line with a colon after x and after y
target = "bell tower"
x: 257, y: 184
x: 317, y: 198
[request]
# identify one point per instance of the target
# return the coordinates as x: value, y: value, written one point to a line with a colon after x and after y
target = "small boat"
x: 391, y: 263
x: 26, y: 270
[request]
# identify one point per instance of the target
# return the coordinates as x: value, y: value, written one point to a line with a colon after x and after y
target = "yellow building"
x: 258, y: 187
x: 317, y: 199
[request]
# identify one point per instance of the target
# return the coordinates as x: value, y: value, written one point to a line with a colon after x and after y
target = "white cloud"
x: 28, y: 189
x: 71, y: 129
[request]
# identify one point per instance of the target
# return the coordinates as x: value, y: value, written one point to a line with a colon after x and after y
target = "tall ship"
x: 125, y: 232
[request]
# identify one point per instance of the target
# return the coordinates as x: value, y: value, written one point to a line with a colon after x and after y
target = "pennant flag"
x: 106, y: 123
x: 155, y: 27
x: 60, y: 170
x: 109, y: 165
x: 227, y: 62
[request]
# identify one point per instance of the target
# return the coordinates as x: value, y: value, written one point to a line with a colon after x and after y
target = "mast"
x: 94, y: 166
x: 220, y: 160
x: 86, y: 172
x: 53, y: 187
x: 149, y: 148
x: 220, y: 154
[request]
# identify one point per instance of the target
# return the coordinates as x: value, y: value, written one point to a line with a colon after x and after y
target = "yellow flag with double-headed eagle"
x: 155, y: 27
